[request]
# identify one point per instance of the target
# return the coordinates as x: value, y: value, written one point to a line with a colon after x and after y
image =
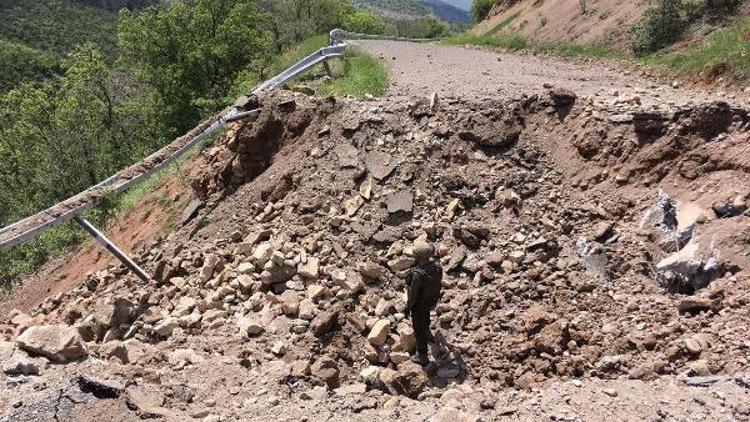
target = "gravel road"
x: 472, y: 73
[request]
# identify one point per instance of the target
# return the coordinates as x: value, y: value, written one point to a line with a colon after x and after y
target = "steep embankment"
x: 574, y: 21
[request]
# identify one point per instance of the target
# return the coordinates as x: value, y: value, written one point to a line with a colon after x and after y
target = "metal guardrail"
x: 73, y: 207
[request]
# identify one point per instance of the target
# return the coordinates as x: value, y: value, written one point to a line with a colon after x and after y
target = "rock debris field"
x: 595, y: 257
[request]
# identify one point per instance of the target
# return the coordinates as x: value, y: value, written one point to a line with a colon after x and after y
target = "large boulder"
x: 58, y: 343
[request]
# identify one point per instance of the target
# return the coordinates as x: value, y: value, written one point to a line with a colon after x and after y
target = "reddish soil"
x: 138, y: 227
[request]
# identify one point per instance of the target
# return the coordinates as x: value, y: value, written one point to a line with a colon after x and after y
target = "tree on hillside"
x: 189, y: 54
x: 58, y: 139
x: 364, y: 22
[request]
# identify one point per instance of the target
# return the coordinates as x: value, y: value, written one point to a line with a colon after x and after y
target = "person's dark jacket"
x: 423, y: 286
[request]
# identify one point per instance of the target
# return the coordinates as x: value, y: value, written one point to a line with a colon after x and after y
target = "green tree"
x: 60, y: 138
x: 363, y: 22
x: 189, y: 54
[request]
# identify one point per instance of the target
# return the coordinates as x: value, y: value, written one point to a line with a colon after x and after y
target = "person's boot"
x: 420, y: 359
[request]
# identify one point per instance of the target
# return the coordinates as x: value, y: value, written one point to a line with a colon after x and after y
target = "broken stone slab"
x: 184, y: 356
x: 250, y: 326
x: 690, y: 269
x: 380, y: 164
x: 309, y: 269
x: 324, y: 323
x: 348, y: 156
x: 594, y: 258
x: 662, y: 214
x: 562, y: 97
x: 356, y: 389
x: 58, y: 343
x: 409, y: 380
x: 20, y: 364
x: 365, y: 189
x: 694, y: 305
x: 707, y: 381
x: 148, y: 406
x: 191, y: 211
x: 352, y: 205
x: 370, y: 270
x: 401, y: 201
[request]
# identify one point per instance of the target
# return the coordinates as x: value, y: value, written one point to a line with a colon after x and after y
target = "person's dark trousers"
x: 420, y: 320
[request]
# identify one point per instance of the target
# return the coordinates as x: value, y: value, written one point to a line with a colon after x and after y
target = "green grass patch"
x: 358, y: 75
x: 578, y: 50
x: 516, y: 42
x: 502, y: 25
x: 726, y: 53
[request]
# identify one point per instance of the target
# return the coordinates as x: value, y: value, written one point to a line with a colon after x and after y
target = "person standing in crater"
x: 423, y: 284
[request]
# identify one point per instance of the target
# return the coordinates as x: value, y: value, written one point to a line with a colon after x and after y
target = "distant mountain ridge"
x: 415, y: 9
x: 461, y: 4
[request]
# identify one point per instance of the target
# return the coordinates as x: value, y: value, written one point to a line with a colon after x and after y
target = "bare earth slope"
x: 559, y: 21
x: 594, y: 248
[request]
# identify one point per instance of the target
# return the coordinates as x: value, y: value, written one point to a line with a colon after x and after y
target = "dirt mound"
x: 548, y: 220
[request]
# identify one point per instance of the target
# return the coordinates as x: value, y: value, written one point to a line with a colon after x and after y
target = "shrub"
x: 481, y: 8
x: 661, y: 26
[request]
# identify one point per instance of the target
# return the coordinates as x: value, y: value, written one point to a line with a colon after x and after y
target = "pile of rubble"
x: 296, y: 262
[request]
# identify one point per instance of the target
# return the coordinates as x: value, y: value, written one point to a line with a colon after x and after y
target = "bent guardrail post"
x: 112, y: 248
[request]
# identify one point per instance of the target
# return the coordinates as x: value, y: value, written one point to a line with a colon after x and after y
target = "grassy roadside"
x: 358, y: 75
x: 516, y: 42
x: 726, y: 54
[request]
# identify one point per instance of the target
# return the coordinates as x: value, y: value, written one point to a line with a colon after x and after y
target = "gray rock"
x: 58, y: 343
x: 401, y: 201
x: 380, y: 164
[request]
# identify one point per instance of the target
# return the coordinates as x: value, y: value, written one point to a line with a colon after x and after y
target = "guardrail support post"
x: 328, y: 69
x: 111, y: 247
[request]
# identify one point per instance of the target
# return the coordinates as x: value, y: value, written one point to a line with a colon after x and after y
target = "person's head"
x: 423, y: 250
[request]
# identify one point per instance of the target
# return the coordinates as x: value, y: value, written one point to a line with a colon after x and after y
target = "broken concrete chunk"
x: 58, y: 343
x: 401, y: 201
x: 380, y: 164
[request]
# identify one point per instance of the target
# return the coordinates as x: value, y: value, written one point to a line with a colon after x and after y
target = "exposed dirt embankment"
x: 604, y: 245
x: 573, y: 21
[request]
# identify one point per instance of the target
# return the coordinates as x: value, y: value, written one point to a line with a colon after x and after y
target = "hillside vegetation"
x: 79, y: 107
x: 698, y: 39
x: 415, y: 9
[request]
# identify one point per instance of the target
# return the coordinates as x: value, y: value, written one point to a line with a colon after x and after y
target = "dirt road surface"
x: 472, y: 73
